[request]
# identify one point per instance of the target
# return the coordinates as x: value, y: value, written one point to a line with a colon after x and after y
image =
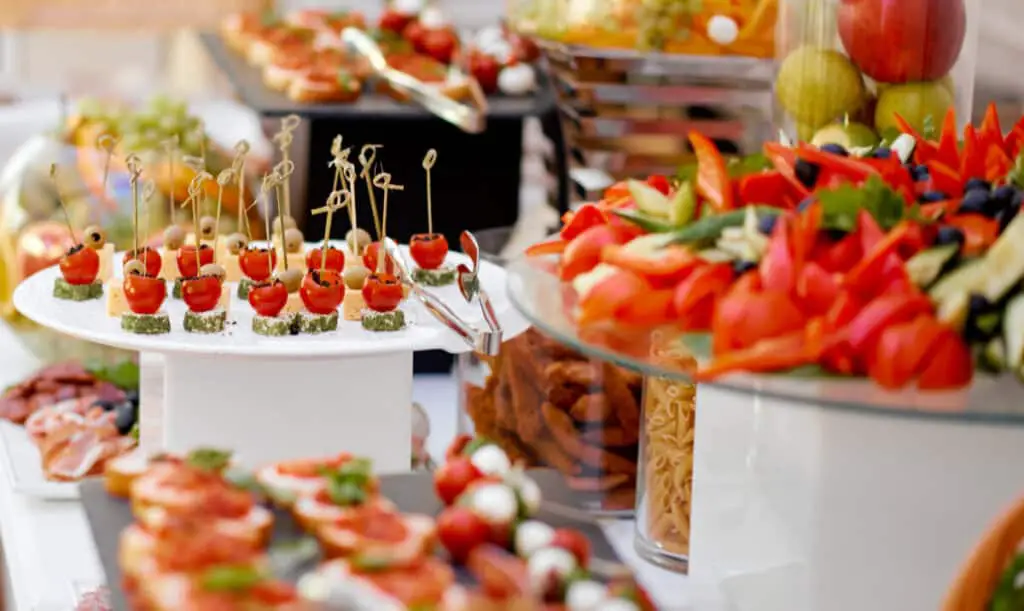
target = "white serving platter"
x: 23, y: 468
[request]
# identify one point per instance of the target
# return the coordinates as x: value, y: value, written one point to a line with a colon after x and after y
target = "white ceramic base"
x: 803, y: 508
x: 267, y: 410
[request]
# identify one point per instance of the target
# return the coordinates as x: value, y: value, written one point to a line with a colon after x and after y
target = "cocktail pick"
x: 238, y: 166
x: 225, y: 178
x: 134, y: 165
x: 60, y: 200
x: 336, y: 201
x: 106, y: 144
x: 428, y: 163
x: 171, y: 150
x: 383, y: 182
x: 367, y: 155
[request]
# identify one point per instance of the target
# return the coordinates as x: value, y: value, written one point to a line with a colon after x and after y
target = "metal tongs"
x: 465, y: 117
x: 469, y: 281
x: 484, y: 342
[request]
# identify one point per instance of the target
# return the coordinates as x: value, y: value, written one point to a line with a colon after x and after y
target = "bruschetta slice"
x: 301, y: 477
x: 385, y: 536
x: 428, y: 584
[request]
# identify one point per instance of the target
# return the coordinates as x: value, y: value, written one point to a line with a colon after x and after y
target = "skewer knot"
x: 429, y: 159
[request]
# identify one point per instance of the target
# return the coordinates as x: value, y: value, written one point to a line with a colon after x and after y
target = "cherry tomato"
x: 453, y: 477
x: 268, y: 298
x: 460, y: 532
x: 428, y: 250
x: 335, y: 259
x: 189, y: 263
x: 395, y: 21
x: 257, y: 263
x: 414, y: 33
x: 273, y: 592
x: 660, y: 183
x: 201, y: 294
x: 370, y: 258
x: 144, y: 294
x: 322, y: 292
x: 382, y: 292
x: 80, y: 265
x: 439, y: 44
x: 149, y: 257
x: 949, y: 364
x: 485, y: 69
x: 573, y: 542
x: 523, y: 49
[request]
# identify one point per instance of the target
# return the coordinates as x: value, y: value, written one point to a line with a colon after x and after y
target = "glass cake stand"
x: 808, y: 493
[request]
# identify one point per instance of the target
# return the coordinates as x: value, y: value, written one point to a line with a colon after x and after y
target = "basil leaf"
x: 231, y: 578
x: 475, y: 444
x: 208, y: 459
x: 1016, y: 175
x: 840, y: 206
x: 345, y: 492
x: 709, y: 228
x: 124, y: 375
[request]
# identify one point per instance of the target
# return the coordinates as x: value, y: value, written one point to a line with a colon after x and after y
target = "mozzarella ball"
x: 617, y: 604
x: 585, y: 595
x: 488, y: 35
x: 529, y: 494
x: 531, y: 536
x: 491, y: 460
x: 723, y: 30
x: 432, y: 18
x: 548, y: 567
x: 495, y: 503
x: 517, y: 80
x: 500, y: 50
x: 407, y: 7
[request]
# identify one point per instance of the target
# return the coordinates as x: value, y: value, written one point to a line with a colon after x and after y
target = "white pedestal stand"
x: 805, y: 508
x: 275, y: 398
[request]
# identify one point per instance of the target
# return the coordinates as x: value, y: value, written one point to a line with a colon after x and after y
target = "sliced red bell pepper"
x: 805, y: 233
x: 743, y: 319
x: 997, y: 164
x: 839, y: 256
x: 667, y: 267
x: 948, y: 152
x: 980, y: 232
x: 778, y: 269
x: 853, y: 168
x: 972, y: 158
x: 949, y: 364
x: 713, y: 182
x: 867, y: 272
x: 711, y: 280
x: 778, y: 353
x: 880, y: 313
x: 611, y: 295
x: 652, y: 308
x: 902, y: 349
x: 769, y: 187
x: 583, y: 218
x: 944, y: 178
x: 844, y: 309
x: 784, y: 160
x: 1014, y: 141
x: 990, y: 133
x: 924, y: 151
x: 660, y: 183
x: 935, y: 210
x: 617, y: 191
x: 584, y: 252
x: 838, y: 356
x: 869, y: 231
x: 817, y: 289
x: 550, y: 247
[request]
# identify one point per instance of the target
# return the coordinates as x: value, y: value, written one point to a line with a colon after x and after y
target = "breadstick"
x: 601, y: 483
x: 592, y: 408
x: 611, y: 437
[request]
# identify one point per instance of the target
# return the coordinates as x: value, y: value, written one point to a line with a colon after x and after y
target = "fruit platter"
x: 481, y: 534
x: 898, y: 263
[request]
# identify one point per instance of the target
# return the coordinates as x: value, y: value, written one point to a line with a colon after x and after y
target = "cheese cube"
x: 169, y: 264
x: 353, y: 304
x: 106, y: 262
x: 296, y: 260
x: 232, y: 269
x: 294, y: 304
x: 116, y: 302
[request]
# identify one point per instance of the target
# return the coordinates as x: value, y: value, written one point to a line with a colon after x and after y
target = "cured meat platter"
x: 108, y: 516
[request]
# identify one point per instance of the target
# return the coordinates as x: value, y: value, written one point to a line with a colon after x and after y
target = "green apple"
x: 915, y: 102
x: 817, y: 85
x: 848, y: 135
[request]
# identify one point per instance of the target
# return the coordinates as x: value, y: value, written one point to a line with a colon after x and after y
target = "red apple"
x: 898, y: 41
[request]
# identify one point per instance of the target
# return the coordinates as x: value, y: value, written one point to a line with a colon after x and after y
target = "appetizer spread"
x: 900, y: 262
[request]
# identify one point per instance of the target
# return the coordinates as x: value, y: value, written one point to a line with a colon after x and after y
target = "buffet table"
x: 51, y: 560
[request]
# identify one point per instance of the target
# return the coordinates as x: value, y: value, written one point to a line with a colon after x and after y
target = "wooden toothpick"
x: 284, y: 138
x: 106, y: 145
x: 223, y: 179
x: 60, y: 200
x: 366, y: 158
x: 383, y: 182
x: 171, y: 148
x: 134, y: 165
x: 148, y: 190
x: 428, y: 162
x: 266, y: 186
x: 336, y: 201
x: 238, y: 165
x: 195, y: 190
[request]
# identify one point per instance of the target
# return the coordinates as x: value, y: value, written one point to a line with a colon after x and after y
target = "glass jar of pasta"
x: 548, y: 405
x: 665, y: 476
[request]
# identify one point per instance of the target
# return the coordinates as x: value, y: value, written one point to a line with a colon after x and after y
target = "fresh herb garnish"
x: 231, y: 578
x: 208, y: 459
x: 737, y: 167
x: 1009, y: 594
x: 1016, y: 175
x: 345, y: 492
x: 475, y: 444
x: 928, y: 129
x: 644, y: 221
x: 370, y: 564
x: 124, y: 375
x: 134, y: 433
x: 840, y: 206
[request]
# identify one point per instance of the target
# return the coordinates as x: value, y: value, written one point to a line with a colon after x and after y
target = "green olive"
x: 355, y: 277
x: 213, y: 269
x: 293, y: 240
x: 134, y: 267
x: 236, y: 242
x: 291, y: 279
x: 94, y: 237
x: 174, y: 237
x: 357, y: 240
x: 207, y: 228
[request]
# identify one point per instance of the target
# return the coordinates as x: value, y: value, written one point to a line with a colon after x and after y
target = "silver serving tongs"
x: 484, y: 342
x: 469, y: 281
x: 465, y: 117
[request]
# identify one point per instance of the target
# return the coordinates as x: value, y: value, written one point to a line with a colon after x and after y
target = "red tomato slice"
x: 879, y: 314
x: 869, y: 231
x: 949, y: 153
x: 865, y: 273
x: 774, y: 354
x: 743, y: 319
x: 611, y: 296
x: 671, y: 264
x: 853, y: 168
x: 839, y: 256
x: 660, y: 183
x: 902, y: 349
x: 817, y: 289
x: 972, y: 158
x: 784, y: 160
x: 654, y: 308
x: 949, y: 364
x: 713, y: 182
x: 768, y: 187
x: 585, y: 217
x: 997, y: 163
x: 990, y: 133
x: 583, y: 253
x: 945, y: 178
x: 712, y: 279
x: 778, y: 270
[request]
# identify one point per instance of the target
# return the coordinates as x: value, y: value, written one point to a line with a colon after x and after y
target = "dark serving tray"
x: 248, y: 84
x: 411, y: 492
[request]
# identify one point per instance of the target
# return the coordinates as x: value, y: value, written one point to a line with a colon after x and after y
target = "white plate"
x: 88, y: 320
x: 23, y: 466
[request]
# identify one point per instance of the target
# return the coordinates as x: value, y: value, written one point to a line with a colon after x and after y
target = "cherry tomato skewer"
x: 188, y: 261
x: 268, y: 298
x: 144, y: 294
x: 322, y: 291
x: 257, y: 263
x: 428, y: 249
x: 382, y: 292
x: 80, y: 265
x: 201, y: 294
x: 149, y: 257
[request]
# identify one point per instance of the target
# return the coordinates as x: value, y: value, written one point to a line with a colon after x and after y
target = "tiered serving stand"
x: 272, y: 399
x: 811, y: 493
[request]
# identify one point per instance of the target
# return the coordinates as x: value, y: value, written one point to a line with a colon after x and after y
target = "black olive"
x: 978, y: 202
x: 806, y: 172
x: 805, y: 204
x: 836, y: 234
x: 882, y: 153
x: 979, y: 304
x: 766, y: 224
x: 741, y: 266
x: 105, y: 404
x: 977, y: 184
x: 835, y: 149
x: 948, y: 234
x: 919, y: 173
x: 132, y: 395
x: 1004, y: 195
x: 125, y: 415
x: 932, y: 196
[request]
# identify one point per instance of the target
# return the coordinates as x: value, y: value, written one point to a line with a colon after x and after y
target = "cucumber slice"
x: 953, y: 310
x: 588, y: 280
x: 1013, y: 332
x: 1004, y: 262
x: 924, y: 267
x: 993, y: 356
x: 648, y: 199
x: 968, y: 277
x: 682, y: 208
x: 715, y: 255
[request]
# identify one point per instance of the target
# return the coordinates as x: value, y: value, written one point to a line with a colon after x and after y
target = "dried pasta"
x: 667, y: 459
